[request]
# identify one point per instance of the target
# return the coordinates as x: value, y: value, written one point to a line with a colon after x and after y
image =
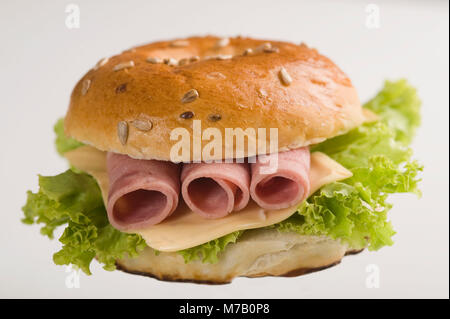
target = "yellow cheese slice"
x: 184, y: 228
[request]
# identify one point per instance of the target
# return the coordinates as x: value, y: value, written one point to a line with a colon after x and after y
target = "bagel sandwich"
x: 204, y: 159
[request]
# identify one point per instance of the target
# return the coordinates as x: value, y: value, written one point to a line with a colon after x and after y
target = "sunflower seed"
x: 194, y: 58
x: 285, y: 77
x: 224, y: 57
x: 271, y: 50
x: 248, y: 51
x: 214, y: 117
x: 85, y: 86
x: 263, y: 47
x: 123, y: 65
x: 101, y: 63
x: 179, y: 43
x: 154, y: 60
x: 183, y: 61
x: 187, y: 115
x: 142, y: 124
x: 170, y: 61
x: 215, y: 76
x: 121, y: 88
x: 190, y: 96
x: 222, y: 42
x: 122, y: 132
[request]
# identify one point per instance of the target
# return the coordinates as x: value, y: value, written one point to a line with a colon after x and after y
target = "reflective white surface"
x: 41, y: 60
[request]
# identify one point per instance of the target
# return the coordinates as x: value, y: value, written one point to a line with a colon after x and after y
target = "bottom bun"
x: 257, y: 253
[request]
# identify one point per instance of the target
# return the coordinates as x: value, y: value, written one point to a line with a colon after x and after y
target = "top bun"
x: 131, y: 102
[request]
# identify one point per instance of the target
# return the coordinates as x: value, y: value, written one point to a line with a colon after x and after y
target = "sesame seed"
x: 85, y: 86
x: 187, y: 115
x: 124, y: 65
x: 154, y: 60
x: 190, y: 96
x: 285, y: 77
x: 222, y: 42
x: 122, y: 132
x: 179, y: 43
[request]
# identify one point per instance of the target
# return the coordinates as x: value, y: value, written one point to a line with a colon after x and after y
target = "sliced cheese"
x: 184, y: 228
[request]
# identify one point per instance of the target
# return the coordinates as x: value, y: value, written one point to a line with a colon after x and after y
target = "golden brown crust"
x: 245, y: 91
x: 293, y: 273
x: 257, y: 253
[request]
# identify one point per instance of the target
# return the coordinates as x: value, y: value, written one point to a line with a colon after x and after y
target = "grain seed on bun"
x: 307, y: 97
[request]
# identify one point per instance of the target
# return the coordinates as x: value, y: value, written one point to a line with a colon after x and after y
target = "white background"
x: 41, y: 60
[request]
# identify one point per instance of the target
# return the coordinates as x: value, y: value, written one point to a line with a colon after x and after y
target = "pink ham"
x: 214, y: 190
x: 142, y: 192
x: 288, y: 182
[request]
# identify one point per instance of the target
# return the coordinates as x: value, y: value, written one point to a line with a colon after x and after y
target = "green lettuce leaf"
x: 62, y: 142
x: 352, y: 212
x: 209, y: 252
x: 398, y: 105
x: 75, y: 200
x: 355, y: 210
x: 355, y: 148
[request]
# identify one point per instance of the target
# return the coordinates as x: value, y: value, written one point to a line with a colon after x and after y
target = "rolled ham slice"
x: 142, y: 192
x: 283, y: 183
x: 214, y: 190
